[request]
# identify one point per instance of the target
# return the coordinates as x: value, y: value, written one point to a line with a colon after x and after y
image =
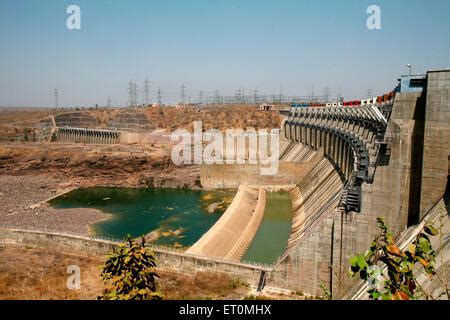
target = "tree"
x: 130, y: 270
x: 397, y: 280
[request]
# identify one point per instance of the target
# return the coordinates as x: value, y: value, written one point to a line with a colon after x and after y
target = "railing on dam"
x: 350, y: 137
x: 81, y: 135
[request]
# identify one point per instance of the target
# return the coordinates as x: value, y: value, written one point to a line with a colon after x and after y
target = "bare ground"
x: 36, y: 273
x: 88, y: 165
x: 19, y: 194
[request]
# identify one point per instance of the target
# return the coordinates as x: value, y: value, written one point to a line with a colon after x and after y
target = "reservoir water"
x: 179, y: 217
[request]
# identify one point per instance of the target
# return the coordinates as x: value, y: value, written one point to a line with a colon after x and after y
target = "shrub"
x: 130, y: 270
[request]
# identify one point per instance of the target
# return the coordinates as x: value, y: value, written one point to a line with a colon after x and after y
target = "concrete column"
x: 328, y: 143
x: 339, y: 152
x: 346, y: 156
x: 314, y: 138
x: 331, y: 144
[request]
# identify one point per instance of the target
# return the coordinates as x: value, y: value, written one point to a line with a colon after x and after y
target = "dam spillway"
x: 231, y: 236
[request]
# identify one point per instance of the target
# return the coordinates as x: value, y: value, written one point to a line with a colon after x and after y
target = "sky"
x: 298, y: 46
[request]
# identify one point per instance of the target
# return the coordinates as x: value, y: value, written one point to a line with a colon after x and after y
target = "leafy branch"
x: 398, y: 281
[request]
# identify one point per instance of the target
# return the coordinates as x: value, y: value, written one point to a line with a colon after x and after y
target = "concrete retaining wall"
x: 166, y: 259
x: 233, y: 175
x: 436, y: 141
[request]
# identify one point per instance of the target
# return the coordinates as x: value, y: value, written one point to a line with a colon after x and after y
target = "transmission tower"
x: 369, y: 93
x: 200, y: 97
x: 216, y: 97
x: 56, y: 98
x: 280, y: 95
x: 146, y: 92
x: 339, y: 95
x: 326, y: 94
x: 130, y: 93
x: 159, y: 96
x: 255, y: 96
x: 183, y: 93
x: 134, y: 94
x: 108, y: 102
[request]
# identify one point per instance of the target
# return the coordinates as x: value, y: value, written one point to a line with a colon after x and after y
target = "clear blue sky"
x: 213, y: 44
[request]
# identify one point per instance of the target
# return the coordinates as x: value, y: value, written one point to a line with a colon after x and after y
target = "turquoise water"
x: 271, y: 239
x: 179, y: 216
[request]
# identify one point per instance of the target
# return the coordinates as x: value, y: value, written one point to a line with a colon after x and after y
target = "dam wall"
x: 295, y: 161
x: 232, y: 234
x: 305, y: 263
x: 388, y: 168
x: 217, y: 176
x: 438, y: 215
x: 78, y: 119
x: 130, y: 119
x: 436, y: 141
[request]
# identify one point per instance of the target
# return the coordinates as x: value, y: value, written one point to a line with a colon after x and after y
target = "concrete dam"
x: 355, y: 163
x: 342, y: 166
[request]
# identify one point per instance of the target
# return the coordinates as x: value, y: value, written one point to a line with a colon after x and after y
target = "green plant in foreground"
x: 326, y: 292
x: 398, y: 282
x: 130, y: 271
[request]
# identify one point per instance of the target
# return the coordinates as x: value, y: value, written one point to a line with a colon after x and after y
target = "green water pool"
x: 178, y: 216
x: 271, y: 238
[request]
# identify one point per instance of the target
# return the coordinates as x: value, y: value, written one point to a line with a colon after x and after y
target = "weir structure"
x: 232, y: 234
x: 126, y: 126
x: 81, y: 135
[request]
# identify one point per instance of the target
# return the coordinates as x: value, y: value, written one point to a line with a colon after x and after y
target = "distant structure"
x: 183, y: 94
x: 56, y: 98
x: 265, y: 107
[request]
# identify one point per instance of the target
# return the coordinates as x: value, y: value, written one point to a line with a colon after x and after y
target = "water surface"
x: 179, y: 216
x: 271, y: 239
